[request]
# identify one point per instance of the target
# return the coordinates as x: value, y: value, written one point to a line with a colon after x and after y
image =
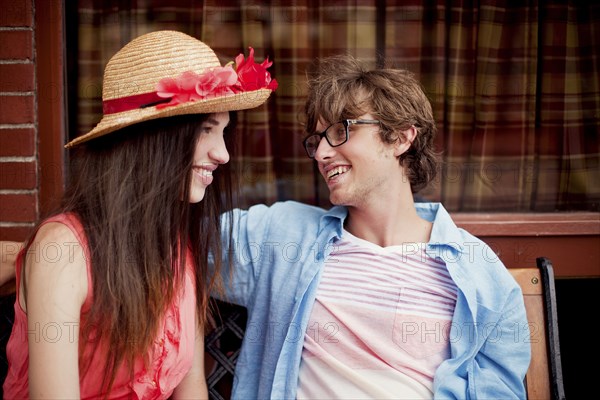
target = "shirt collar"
x: 336, y: 215
x: 444, y: 231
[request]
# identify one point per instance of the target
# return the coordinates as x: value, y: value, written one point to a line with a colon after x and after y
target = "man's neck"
x: 389, y: 223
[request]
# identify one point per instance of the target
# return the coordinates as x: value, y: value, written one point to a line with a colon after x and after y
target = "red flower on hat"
x: 252, y: 76
x: 189, y: 86
x: 218, y: 81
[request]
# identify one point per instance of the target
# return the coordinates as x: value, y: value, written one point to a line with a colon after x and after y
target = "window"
x: 515, y: 90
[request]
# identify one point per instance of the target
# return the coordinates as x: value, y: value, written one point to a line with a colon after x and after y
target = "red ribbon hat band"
x: 133, y: 102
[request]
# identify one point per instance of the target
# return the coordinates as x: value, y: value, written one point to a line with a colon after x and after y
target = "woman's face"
x: 209, y: 154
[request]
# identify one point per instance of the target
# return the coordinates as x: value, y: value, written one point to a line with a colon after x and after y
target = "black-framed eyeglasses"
x: 336, y: 134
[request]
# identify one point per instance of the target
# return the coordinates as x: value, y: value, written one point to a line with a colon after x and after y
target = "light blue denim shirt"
x: 278, y: 254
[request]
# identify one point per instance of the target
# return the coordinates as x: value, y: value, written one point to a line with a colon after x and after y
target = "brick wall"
x: 19, y: 178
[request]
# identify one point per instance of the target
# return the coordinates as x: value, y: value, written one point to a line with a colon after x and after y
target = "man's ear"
x: 404, y: 141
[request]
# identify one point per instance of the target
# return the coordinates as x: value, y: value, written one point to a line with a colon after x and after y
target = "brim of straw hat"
x: 235, y: 102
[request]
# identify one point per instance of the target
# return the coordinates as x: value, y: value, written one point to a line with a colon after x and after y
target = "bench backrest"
x: 544, y: 377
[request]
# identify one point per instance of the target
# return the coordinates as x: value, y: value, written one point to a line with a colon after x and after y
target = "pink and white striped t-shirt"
x: 380, y: 324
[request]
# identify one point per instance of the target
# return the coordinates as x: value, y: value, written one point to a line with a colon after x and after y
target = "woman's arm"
x: 8, y: 255
x: 193, y: 386
x: 56, y: 287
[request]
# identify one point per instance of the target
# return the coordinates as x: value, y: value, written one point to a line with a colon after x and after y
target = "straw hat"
x: 129, y: 92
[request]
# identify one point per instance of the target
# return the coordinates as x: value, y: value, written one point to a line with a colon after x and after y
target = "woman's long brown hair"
x: 127, y: 189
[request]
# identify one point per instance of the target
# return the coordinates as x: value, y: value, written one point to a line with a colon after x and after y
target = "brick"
x: 17, y: 142
x: 16, y: 45
x: 16, y: 13
x: 16, y: 109
x: 15, y: 233
x: 18, y: 207
x: 18, y: 175
x: 16, y: 78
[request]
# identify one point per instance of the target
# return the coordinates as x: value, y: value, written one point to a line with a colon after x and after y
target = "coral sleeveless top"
x: 170, y: 357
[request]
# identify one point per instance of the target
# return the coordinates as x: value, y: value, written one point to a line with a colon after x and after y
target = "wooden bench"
x: 544, y: 377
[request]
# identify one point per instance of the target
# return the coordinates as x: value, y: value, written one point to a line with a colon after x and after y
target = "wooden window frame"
x: 569, y: 239
x: 51, y: 104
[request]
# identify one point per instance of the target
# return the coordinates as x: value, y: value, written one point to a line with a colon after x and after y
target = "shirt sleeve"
x: 242, y: 256
x: 500, y: 366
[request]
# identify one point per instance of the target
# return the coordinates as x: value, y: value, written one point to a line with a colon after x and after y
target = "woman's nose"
x: 219, y: 152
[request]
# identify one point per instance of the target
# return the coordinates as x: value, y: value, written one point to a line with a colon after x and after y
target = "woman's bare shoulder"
x: 55, y: 264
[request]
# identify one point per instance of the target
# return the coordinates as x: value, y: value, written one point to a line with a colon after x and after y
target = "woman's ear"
x: 404, y: 141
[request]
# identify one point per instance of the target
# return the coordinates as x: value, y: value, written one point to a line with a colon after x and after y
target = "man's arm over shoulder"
x: 241, y: 256
x: 256, y: 239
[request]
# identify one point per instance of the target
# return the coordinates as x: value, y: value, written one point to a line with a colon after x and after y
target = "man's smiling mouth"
x: 337, y: 171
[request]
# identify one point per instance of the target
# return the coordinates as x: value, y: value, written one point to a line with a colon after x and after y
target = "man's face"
x: 361, y: 171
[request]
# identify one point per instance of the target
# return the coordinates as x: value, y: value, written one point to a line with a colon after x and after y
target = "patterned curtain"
x: 515, y: 87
